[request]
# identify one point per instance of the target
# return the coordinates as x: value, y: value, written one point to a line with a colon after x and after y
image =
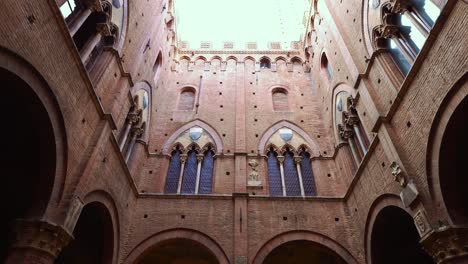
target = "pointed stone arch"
x: 218, y: 147
x: 314, y: 148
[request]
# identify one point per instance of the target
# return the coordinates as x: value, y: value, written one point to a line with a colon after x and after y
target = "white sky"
x: 240, y: 21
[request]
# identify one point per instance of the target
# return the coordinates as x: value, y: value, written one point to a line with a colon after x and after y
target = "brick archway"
x: 186, y: 234
x: 317, y: 238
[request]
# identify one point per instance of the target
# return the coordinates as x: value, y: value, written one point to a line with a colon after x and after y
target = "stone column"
x: 88, y: 48
x: 283, y: 184
x: 136, y: 132
x: 297, y: 160
x: 346, y: 134
x: 79, y: 21
x: 199, y: 164
x: 36, y: 242
x: 183, y: 159
x: 132, y: 119
x: 352, y: 120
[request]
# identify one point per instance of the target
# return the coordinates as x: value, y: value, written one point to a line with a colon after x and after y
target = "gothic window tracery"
x: 191, y: 166
x: 349, y: 127
x: 135, y: 124
x: 406, y: 26
x: 289, y: 167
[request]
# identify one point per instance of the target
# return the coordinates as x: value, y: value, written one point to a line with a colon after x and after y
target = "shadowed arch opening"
x: 94, y: 238
x: 394, y: 238
x: 302, y: 251
x: 452, y: 164
x: 178, y: 251
x: 31, y: 160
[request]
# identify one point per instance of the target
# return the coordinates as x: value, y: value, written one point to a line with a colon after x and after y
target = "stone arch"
x: 378, y: 204
x: 14, y: 64
x: 200, y: 58
x: 108, y: 202
x: 232, y: 58
x: 218, y: 148
x: 95, y: 227
x: 185, y: 58
x: 35, y: 136
x: 281, y: 58
x: 456, y: 97
x: 188, y: 234
x: 296, y: 59
x: 124, y: 29
x: 315, y: 150
x: 249, y: 58
x: 216, y: 58
x: 315, y: 237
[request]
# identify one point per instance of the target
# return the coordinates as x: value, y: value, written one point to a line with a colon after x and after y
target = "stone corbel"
x: 409, y: 193
x: 381, y: 33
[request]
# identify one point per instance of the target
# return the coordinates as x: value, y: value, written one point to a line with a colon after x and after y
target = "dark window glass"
x: 398, y: 56
x: 206, y: 176
x: 308, y: 175
x: 190, y: 173
x: 291, y: 178
x: 172, y: 178
x: 274, y: 175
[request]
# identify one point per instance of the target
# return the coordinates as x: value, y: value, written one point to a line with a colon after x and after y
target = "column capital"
x: 137, y: 131
x: 200, y: 157
x: 183, y: 158
x: 41, y: 236
x: 297, y: 159
x: 345, y: 132
x: 447, y: 244
x: 280, y: 159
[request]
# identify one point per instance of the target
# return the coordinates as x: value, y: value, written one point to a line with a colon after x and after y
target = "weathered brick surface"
x: 347, y: 192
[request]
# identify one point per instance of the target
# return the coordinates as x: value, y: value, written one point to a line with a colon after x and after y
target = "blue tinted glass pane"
x: 274, y: 175
x: 398, y: 56
x: 206, y: 176
x: 330, y: 71
x: 308, y: 176
x: 291, y: 178
x: 411, y: 33
x: 427, y: 10
x: 190, y: 174
x: 172, y: 178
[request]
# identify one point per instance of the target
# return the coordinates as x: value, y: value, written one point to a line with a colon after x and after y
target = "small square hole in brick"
x: 228, y: 173
x: 285, y: 218
x: 182, y: 216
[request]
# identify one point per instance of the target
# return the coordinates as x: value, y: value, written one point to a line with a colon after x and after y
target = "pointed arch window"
x: 191, y: 167
x: 325, y: 67
x: 411, y: 24
x: 189, y: 177
x: 173, y: 173
x: 290, y: 174
x: 274, y: 174
x: 156, y: 68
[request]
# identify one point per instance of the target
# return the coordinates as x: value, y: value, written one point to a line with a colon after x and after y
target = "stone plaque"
x: 422, y: 223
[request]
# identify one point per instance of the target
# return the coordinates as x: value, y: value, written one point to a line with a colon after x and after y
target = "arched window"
x: 189, y: 177
x: 206, y: 176
x: 265, y: 63
x: 186, y: 99
x: 191, y: 170
x: 280, y: 99
x: 289, y: 172
x: 274, y: 174
x: 68, y: 9
x: 325, y: 67
x: 173, y: 173
x: 349, y: 126
x: 156, y: 67
x: 413, y: 23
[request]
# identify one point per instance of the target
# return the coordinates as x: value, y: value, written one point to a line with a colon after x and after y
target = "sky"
x: 240, y: 21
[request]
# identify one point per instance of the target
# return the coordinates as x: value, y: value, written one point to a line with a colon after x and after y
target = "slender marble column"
x: 199, y: 164
x: 283, y: 184
x: 297, y: 160
x: 183, y: 159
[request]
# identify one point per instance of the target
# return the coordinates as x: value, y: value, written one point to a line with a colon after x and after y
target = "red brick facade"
x: 109, y: 177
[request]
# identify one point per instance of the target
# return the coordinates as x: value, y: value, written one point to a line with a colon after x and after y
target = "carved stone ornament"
x: 345, y: 132
x: 422, y: 223
x: 398, y: 174
x: 447, y: 244
x: 41, y: 236
x: 253, y: 175
x: 375, y: 4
